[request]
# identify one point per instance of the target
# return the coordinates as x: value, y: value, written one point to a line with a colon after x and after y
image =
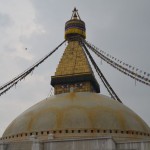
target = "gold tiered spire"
x: 74, y: 61
x: 74, y: 71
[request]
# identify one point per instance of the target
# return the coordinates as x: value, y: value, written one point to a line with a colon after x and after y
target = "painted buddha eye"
x: 78, y: 84
x: 65, y: 86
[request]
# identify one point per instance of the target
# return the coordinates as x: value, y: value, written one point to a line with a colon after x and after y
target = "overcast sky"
x: 119, y: 27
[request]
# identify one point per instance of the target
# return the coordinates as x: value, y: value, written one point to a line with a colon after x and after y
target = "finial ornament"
x: 75, y: 10
x: 75, y: 27
x: 75, y: 14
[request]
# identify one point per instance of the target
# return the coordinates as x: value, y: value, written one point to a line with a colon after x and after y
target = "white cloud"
x: 17, y: 23
x: 22, y: 14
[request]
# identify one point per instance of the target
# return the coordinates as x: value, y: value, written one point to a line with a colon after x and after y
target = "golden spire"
x: 74, y: 70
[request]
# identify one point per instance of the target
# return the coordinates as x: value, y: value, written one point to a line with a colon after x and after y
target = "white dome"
x: 72, y: 112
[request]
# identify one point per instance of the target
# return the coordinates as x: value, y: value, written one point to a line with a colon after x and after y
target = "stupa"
x: 78, y: 116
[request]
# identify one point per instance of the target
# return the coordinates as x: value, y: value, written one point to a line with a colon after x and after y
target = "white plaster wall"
x: 84, y: 144
x: 25, y: 145
x: 143, y: 145
x: 75, y: 144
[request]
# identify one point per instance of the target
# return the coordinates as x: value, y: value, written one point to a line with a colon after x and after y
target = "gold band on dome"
x: 75, y: 31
